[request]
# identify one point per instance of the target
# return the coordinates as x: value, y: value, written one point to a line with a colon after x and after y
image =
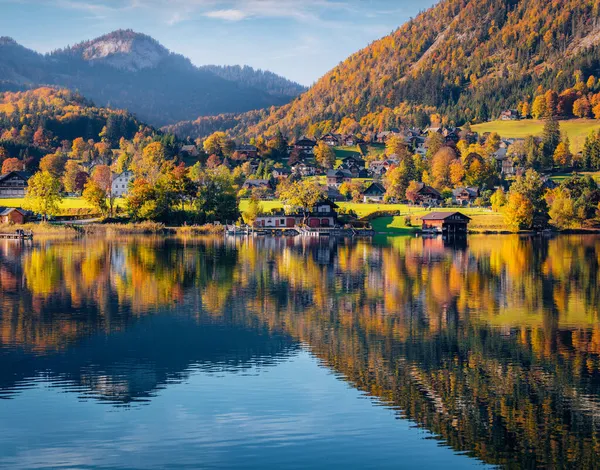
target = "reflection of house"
x: 338, y: 177
x: 465, y: 195
x: 448, y: 223
x: 12, y: 215
x: 120, y: 183
x: 374, y: 193
x: 14, y: 184
x: 426, y: 195
x: 323, y: 215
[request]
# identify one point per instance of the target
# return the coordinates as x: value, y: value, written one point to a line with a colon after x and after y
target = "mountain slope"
x: 462, y: 59
x: 128, y: 70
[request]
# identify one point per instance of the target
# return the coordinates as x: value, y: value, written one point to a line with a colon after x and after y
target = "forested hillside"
x: 37, y: 122
x: 260, y: 79
x: 132, y: 71
x: 460, y: 60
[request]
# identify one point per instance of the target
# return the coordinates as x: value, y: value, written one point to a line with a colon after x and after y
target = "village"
x: 437, y: 168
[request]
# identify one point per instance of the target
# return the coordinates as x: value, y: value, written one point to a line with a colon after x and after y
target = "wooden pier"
x: 18, y: 235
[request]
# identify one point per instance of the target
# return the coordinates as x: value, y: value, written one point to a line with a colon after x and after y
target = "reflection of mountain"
x: 494, y: 347
x: 132, y: 364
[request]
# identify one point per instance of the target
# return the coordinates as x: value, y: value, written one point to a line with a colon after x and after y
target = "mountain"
x: 129, y: 70
x: 461, y: 60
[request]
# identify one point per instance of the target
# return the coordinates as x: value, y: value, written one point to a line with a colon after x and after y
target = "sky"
x: 299, y: 39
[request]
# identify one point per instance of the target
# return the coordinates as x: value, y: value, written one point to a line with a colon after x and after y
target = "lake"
x: 403, y: 352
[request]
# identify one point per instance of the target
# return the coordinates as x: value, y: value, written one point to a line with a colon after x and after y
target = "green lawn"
x: 483, y: 219
x: 66, y: 204
x: 558, y: 177
x: 576, y: 129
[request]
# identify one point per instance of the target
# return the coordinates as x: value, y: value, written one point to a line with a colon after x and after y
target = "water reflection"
x: 494, y: 347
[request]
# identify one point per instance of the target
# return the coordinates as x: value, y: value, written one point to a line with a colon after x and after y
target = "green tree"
x: 550, y: 140
x: 498, y: 200
x: 43, y: 194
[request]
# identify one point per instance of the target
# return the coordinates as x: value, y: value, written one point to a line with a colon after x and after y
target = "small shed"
x: 12, y: 215
x: 446, y: 223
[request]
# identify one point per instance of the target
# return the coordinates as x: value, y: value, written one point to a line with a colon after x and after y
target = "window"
x: 282, y: 221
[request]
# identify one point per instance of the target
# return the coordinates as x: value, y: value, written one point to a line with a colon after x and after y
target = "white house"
x: 120, y: 184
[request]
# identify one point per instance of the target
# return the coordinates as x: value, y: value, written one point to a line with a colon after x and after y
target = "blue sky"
x: 300, y: 39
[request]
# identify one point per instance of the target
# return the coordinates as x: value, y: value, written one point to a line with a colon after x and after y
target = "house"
x: 120, y: 184
x: 374, y: 193
x: 306, y: 145
x: 12, y: 215
x: 383, y: 137
x: 428, y: 196
x: 505, y: 163
x: 14, y: 184
x: 333, y: 194
x: 257, y: 184
x: 464, y: 196
x: 323, y: 215
x: 190, y: 150
x: 351, y: 140
x: 509, y: 115
x: 447, y: 223
x: 333, y: 140
x: 281, y: 173
x: 338, y: 177
x: 303, y: 169
x: 247, y: 152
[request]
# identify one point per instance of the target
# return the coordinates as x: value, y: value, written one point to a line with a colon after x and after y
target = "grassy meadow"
x: 483, y: 219
x: 576, y: 129
x: 67, y: 204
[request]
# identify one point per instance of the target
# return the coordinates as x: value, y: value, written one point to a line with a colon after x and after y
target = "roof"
x: 424, y: 187
x: 246, y: 148
x: 443, y: 215
x: 339, y: 174
x: 375, y: 189
x: 7, y: 210
x: 22, y: 174
x: 472, y: 191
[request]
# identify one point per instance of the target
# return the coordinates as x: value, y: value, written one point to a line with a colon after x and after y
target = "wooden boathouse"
x: 445, y: 223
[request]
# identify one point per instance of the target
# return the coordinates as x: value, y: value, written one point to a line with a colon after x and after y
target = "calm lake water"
x: 295, y: 353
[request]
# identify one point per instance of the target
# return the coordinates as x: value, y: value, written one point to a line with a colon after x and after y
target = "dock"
x: 18, y: 235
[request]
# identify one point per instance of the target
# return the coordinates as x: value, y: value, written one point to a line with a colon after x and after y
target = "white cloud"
x: 227, y: 15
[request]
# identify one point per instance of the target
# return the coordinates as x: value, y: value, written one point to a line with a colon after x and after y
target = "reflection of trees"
x: 494, y: 347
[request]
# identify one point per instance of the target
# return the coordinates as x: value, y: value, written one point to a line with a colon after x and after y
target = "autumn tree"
x: 43, y: 194
x: 562, y: 155
x: 457, y: 173
x: 95, y: 196
x: 103, y: 177
x: 71, y: 179
x: 218, y: 144
x: 252, y: 212
x: 562, y: 209
x: 498, y: 200
x: 303, y: 195
x: 440, y: 167
x: 550, y: 140
x: 11, y: 164
x: 518, y: 211
x: 412, y: 192
x: 324, y: 155
x: 150, y: 163
x: 54, y: 163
